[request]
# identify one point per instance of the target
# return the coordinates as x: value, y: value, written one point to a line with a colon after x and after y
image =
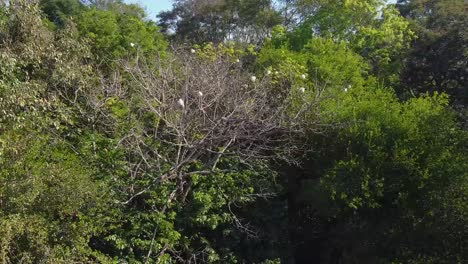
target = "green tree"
x: 375, y: 31
x: 59, y: 11
x: 217, y: 21
x: 48, y: 195
x: 438, y: 58
x: 372, y: 173
x: 114, y: 29
x: 323, y: 66
x: 390, y: 169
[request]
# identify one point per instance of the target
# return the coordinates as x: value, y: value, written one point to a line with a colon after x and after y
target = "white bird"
x: 192, y: 51
x: 268, y: 72
x: 132, y: 44
x: 237, y: 60
x: 302, y: 90
x: 253, y: 78
x: 200, y: 94
x: 303, y: 76
x: 181, y: 103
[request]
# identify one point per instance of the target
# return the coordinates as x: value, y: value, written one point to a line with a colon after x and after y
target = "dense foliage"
x: 309, y: 131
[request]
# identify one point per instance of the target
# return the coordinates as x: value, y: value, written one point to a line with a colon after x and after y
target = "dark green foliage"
x: 389, y: 169
x: 439, y: 56
x: 59, y: 11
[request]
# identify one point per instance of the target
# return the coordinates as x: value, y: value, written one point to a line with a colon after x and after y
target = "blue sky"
x: 153, y: 7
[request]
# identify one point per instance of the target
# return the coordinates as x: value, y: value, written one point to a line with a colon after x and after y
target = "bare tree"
x: 204, y: 108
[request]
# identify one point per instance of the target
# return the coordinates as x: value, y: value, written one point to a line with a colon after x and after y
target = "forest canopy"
x: 234, y: 131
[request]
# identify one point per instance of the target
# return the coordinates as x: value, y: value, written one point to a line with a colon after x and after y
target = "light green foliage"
x: 336, y: 19
x: 377, y: 32
x: 385, y: 43
x: 145, y: 35
x: 48, y: 197
x: 120, y: 32
x: 322, y: 68
x: 380, y: 128
x: 334, y: 64
x: 101, y: 27
x: 47, y: 193
x: 324, y: 60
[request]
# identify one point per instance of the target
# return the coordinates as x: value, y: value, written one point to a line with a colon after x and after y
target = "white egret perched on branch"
x: 181, y: 103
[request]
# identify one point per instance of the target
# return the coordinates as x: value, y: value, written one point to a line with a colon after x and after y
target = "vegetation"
x: 311, y: 131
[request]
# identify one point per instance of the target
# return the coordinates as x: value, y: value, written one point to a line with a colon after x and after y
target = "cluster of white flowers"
x: 303, y: 76
x: 193, y: 51
x: 302, y: 89
x: 253, y: 78
x: 268, y: 72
